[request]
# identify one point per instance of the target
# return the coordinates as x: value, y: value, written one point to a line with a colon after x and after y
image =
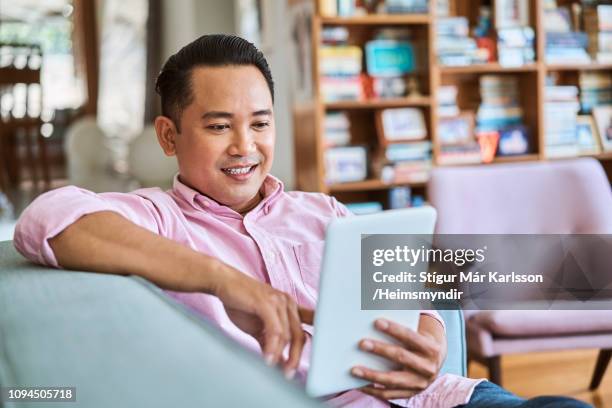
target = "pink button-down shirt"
x: 279, y: 242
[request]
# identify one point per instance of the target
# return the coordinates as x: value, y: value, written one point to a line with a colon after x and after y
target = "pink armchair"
x: 528, y: 198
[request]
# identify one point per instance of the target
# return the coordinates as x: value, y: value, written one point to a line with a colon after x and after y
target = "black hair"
x: 174, y: 84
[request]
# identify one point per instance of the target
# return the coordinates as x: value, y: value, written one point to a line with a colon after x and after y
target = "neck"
x: 251, y: 204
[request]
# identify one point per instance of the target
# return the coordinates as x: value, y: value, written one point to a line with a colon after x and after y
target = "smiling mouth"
x: 239, y: 171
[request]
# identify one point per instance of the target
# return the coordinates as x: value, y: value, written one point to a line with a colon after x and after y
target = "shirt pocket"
x: 309, y: 257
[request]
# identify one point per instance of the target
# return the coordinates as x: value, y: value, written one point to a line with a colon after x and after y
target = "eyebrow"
x: 229, y: 115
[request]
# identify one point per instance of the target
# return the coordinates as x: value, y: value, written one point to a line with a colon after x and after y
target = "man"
x: 227, y: 240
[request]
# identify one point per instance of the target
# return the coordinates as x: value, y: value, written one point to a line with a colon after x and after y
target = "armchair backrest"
x: 571, y: 196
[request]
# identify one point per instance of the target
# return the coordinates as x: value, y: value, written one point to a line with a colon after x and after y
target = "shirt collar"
x: 272, y: 188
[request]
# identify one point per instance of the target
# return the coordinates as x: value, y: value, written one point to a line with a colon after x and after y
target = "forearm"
x: 432, y: 328
x: 107, y: 242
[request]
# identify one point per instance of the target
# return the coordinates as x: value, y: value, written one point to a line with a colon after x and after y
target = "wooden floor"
x: 565, y: 373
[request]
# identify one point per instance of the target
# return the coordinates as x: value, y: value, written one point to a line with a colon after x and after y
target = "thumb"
x: 306, y: 315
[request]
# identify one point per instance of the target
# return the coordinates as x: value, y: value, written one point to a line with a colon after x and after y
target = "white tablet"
x: 339, y: 321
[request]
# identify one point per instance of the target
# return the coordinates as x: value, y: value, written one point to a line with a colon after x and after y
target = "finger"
x: 306, y: 315
x: 387, y: 394
x: 410, y: 338
x: 281, y: 310
x: 272, y: 334
x: 401, y: 356
x: 297, y: 341
x: 389, y: 379
x: 403, y: 380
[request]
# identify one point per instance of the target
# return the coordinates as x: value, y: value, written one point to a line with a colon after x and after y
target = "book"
x: 328, y: 8
x: 595, y: 90
x: 447, y: 101
x: 417, y: 171
x: 499, y: 106
x: 557, y: 20
x: 406, y: 6
x: 454, y: 46
x: 336, y: 129
x: 460, y: 154
x: 389, y: 58
x: 398, y: 152
x: 341, y: 88
x: 561, y: 107
x: 340, y: 60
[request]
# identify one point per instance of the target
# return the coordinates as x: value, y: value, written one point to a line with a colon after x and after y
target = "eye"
x: 218, y: 127
x: 261, y: 125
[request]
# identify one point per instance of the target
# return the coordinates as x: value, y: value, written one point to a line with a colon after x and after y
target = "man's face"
x: 226, y: 145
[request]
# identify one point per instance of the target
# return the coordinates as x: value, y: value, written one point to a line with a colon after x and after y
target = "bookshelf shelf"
x: 10, y: 75
x: 603, y: 156
x: 380, y: 103
x: 516, y: 159
x: 431, y: 76
x: 486, y: 68
x: 368, y: 185
x: 579, y: 67
x: 379, y: 19
x: 499, y: 160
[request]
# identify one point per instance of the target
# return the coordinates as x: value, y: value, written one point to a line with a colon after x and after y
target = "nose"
x: 243, y: 143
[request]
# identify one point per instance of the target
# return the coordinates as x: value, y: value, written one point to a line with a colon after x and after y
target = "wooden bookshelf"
x: 379, y: 103
x: 378, y: 19
x: 579, y: 67
x: 369, y: 185
x: 491, y: 68
x: 308, y: 118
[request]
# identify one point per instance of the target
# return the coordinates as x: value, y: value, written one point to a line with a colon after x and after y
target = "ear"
x: 166, y: 134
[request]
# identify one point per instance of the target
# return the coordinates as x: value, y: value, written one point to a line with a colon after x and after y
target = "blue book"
x: 389, y: 58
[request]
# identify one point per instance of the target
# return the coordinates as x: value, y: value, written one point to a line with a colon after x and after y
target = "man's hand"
x: 419, y: 358
x: 270, y: 316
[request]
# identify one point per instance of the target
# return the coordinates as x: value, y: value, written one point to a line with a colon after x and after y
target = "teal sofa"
x: 123, y: 343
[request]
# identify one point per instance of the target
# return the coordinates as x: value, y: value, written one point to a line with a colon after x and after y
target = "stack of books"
x: 348, y: 8
x: 340, y: 69
x: 595, y: 90
x: 560, y: 109
x: 465, y: 153
x: 454, y: 46
x: 499, y: 106
x: 336, y: 129
x: 515, y: 46
x: 405, y: 163
x: 598, y: 24
x: 447, y: 101
x: 563, y: 45
x: 333, y: 8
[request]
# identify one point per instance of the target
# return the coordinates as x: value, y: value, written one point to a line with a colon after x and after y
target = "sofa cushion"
x: 522, y: 323
x: 122, y: 343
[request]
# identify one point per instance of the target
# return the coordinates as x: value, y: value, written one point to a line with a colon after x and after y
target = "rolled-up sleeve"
x: 54, y: 211
x: 435, y: 315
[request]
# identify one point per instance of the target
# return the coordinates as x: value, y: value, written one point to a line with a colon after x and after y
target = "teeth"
x: 241, y: 170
